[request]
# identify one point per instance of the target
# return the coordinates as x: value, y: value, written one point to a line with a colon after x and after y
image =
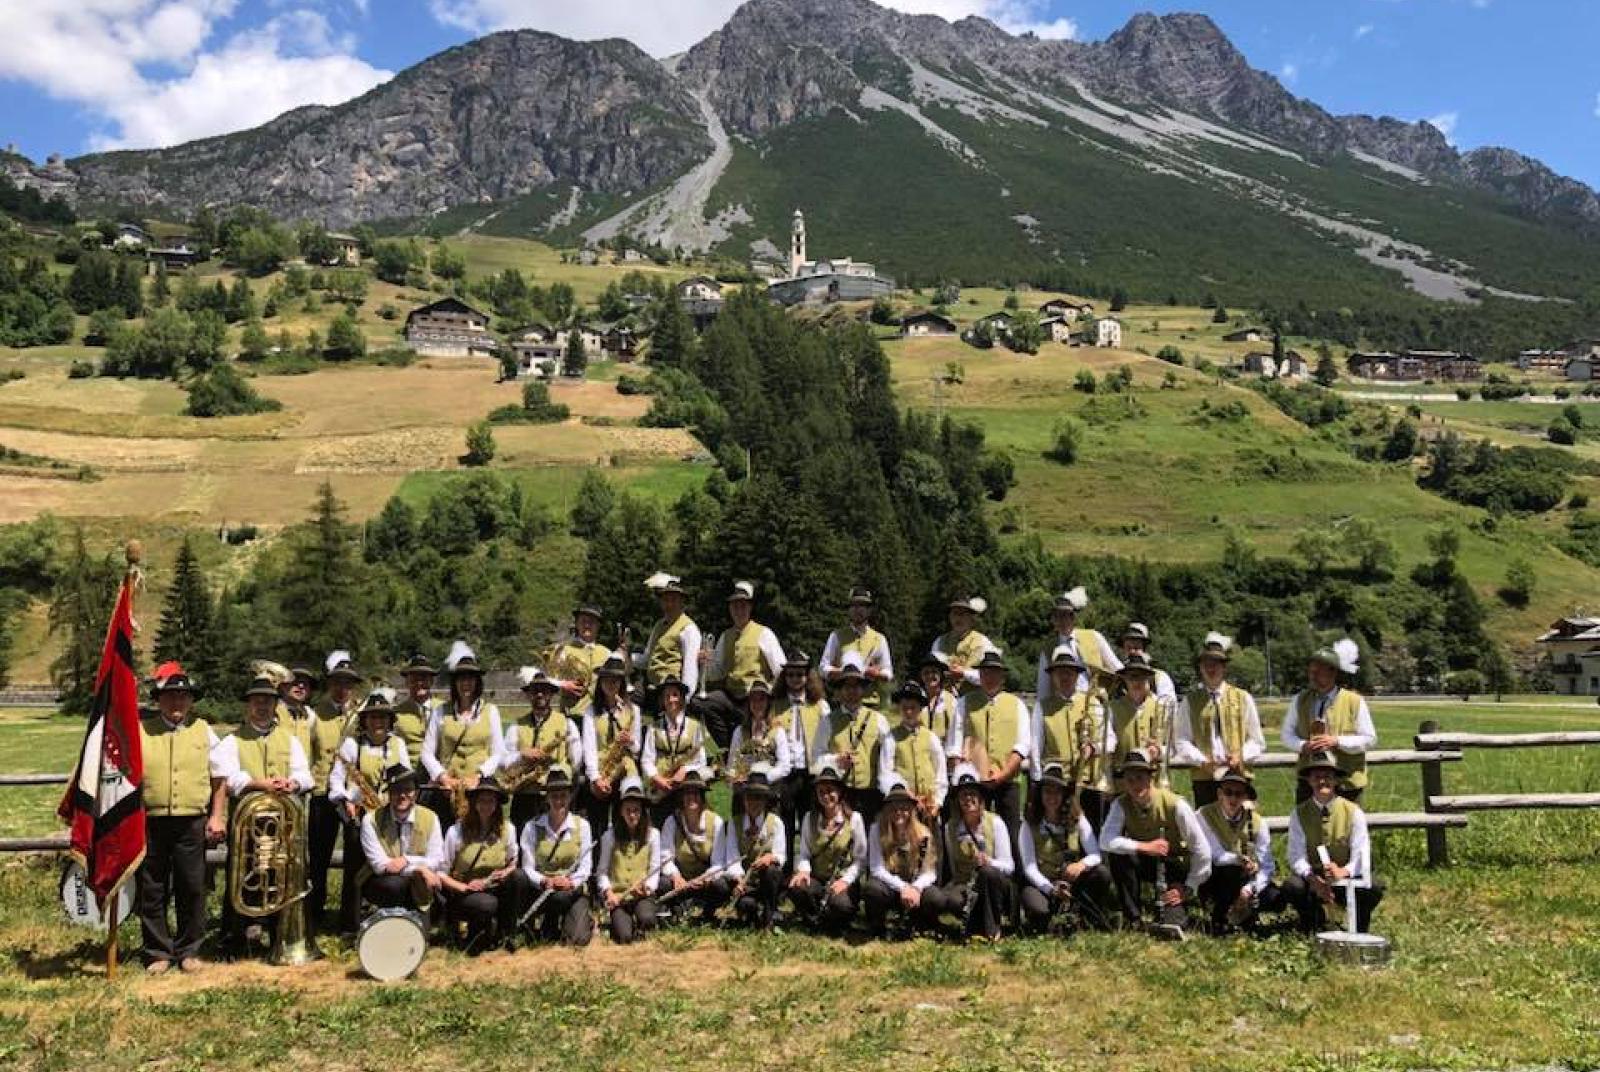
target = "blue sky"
x: 77, y: 75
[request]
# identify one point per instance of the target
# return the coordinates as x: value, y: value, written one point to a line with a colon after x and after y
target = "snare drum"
x: 83, y: 908
x: 392, y: 943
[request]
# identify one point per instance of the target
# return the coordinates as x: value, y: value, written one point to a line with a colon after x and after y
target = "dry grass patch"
x: 399, y: 451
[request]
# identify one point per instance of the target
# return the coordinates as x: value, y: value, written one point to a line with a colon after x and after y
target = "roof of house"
x: 1243, y: 333
x: 1003, y: 314
x: 1569, y: 629
x: 455, y: 305
x: 706, y: 279
x: 928, y: 314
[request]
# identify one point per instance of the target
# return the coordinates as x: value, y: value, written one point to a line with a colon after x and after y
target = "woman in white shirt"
x: 830, y: 855
x: 557, y: 855
x: 903, y: 857
x: 752, y: 851
x: 1061, y: 866
x: 482, y: 883
x: 630, y: 866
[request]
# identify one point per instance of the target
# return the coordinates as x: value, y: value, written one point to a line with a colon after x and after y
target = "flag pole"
x: 133, y: 552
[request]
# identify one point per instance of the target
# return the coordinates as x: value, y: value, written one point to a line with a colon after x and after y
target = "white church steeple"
x: 797, y: 244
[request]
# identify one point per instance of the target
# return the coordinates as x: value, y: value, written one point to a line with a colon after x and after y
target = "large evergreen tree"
x: 80, y: 613
x: 321, y: 593
x: 185, y: 633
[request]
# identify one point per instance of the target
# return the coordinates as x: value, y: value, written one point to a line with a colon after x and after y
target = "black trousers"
x: 1128, y: 872
x: 174, y: 869
x: 1005, y: 800
x: 757, y: 906
x: 1091, y: 896
x: 802, y: 801
x: 630, y: 922
x: 1302, y: 792
x: 565, y: 915
x: 1205, y: 791
x: 867, y: 802
x: 1313, y: 913
x: 721, y: 713
x: 438, y: 801
x: 881, y: 901
x: 1219, y: 892
x: 710, y: 897
x: 991, y: 901
x: 323, y: 824
x: 392, y: 891
x: 1094, y: 805
x: 597, y: 810
x: 489, y: 912
x: 349, y: 886
x: 525, y: 807
x: 828, y: 911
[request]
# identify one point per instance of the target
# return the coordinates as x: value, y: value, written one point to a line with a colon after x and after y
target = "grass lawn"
x: 1497, y: 963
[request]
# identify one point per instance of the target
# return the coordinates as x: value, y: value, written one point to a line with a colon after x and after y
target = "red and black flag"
x: 104, y: 803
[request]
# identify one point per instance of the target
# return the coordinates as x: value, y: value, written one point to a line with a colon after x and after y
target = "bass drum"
x: 82, y: 906
x: 392, y: 943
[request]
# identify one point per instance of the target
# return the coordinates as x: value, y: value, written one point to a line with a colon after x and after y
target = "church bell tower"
x: 797, y: 243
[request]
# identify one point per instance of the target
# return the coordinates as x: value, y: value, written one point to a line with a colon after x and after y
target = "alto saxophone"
x: 370, y: 800
x: 613, y: 761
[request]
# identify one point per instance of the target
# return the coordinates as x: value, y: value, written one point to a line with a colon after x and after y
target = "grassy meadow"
x: 1497, y: 964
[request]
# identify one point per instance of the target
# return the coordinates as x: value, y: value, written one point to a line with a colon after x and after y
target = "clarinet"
x: 970, y: 897
x: 544, y: 895
x: 903, y: 924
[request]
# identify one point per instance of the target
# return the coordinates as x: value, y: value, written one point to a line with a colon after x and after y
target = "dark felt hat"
x: 1137, y: 665
x: 1055, y: 774
x: 261, y: 686
x: 489, y: 784
x: 1233, y: 777
x: 178, y: 682
x: 399, y: 776
x: 992, y: 660
x: 910, y: 690
x: 1321, y: 761
x: 860, y: 597
x: 1136, y: 761
x: 418, y: 664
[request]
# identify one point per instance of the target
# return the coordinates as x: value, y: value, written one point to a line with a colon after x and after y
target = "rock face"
x: 488, y: 120
x: 517, y: 111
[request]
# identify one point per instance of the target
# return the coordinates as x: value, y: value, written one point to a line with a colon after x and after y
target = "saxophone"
x: 613, y: 761
x: 369, y: 799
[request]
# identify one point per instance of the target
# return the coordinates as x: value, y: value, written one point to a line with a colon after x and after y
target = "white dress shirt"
x: 689, y: 641
x: 722, y: 653
x: 730, y: 861
x: 608, y: 842
x: 783, y: 750
x: 1106, y: 746
x: 1194, y: 753
x: 378, y: 857
x: 1022, y: 744
x: 224, y: 763
x: 1113, y: 840
x: 351, y: 749
x: 858, y: 847
x: 1360, y: 847
x: 540, y: 831
x: 879, y: 868
x: 999, y: 853
x: 519, y: 735
x: 1220, y: 857
x: 1364, y: 738
x: 1043, y: 688
x: 970, y: 675
x: 454, y: 839
x: 705, y: 843
x: 1030, y: 856
x: 878, y: 656
x: 819, y: 743
x: 888, y: 774
x: 673, y: 728
x: 799, y: 742
x: 433, y: 764
x: 591, y: 737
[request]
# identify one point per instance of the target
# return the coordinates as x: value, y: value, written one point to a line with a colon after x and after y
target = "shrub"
x: 222, y: 392
x: 1562, y: 431
x: 1066, y: 442
x: 80, y: 370
x: 1170, y: 354
x: 480, y: 444
x: 1464, y: 394
x: 1563, y: 392
x: 394, y: 357
x: 1085, y: 382
x: 631, y: 385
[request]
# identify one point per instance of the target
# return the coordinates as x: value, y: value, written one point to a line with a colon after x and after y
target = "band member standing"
x: 534, y: 744
x: 903, y: 857
x: 752, y: 853
x: 855, y: 739
x: 1089, y: 645
x: 963, y: 645
x: 1218, y: 729
x: 1136, y: 641
x: 294, y: 701
x: 746, y: 652
x: 1325, y: 718
x: 860, y: 637
x: 801, y: 708
x: 184, y: 812
x: 482, y: 883
x: 943, y: 689
x: 993, y: 731
x: 577, y: 660
x: 412, y: 715
x: 673, y: 648
x: 403, y: 847
x: 1142, y: 721
x: 1328, y: 843
x: 630, y: 867
x: 1070, y: 728
x: 979, y: 852
x: 689, y: 841
x: 919, y: 756
x: 830, y: 855
x: 463, y: 738
x: 332, y: 723
x: 354, y: 788
x: 674, y: 745
x: 613, y: 735
x: 761, y: 738
x: 1240, y: 886
x: 1154, y: 836
x: 1060, y: 857
x: 558, y: 856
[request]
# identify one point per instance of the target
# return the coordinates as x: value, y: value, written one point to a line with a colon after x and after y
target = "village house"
x: 1548, y: 361
x: 1059, y: 307
x: 178, y: 253
x: 1443, y: 365
x: 1108, y: 333
x: 132, y: 236
x: 539, y: 358
x: 1058, y: 328
x: 700, y: 297
x: 1259, y: 364
x: 1245, y: 335
x: 593, y: 339
x: 619, y: 341
x: 999, y: 325
x: 1581, y: 369
x: 926, y: 325
x: 1294, y: 366
x: 349, y: 248
x: 1573, y: 647
x: 833, y: 280
x: 449, y: 328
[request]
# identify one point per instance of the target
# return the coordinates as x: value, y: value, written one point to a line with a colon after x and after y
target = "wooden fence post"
x: 1433, y: 785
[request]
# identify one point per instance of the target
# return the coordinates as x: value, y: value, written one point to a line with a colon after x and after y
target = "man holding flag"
x: 104, y: 803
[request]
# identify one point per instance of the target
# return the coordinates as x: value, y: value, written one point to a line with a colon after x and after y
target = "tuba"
x: 564, y: 664
x: 267, y: 871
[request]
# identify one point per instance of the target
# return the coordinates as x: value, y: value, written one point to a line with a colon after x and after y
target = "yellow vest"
x: 961, y: 849
x: 1332, y: 830
x: 372, y: 760
x: 463, y: 746
x: 674, y: 750
x: 663, y: 659
x: 480, y: 859
x: 550, y: 735
x: 830, y: 853
x: 1341, y: 716
x: 1054, y: 849
x: 554, y: 854
x: 966, y: 650
x: 993, y: 722
x: 752, y: 848
x: 857, y: 738
x: 607, y: 725
x: 912, y: 759
x: 1136, y: 725
x: 630, y: 861
x: 411, y: 723
x: 423, y: 824
x: 810, y: 719
x: 1204, y: 715
x: 907, y: 861
x: 575, y: 653
x: 864, y: 645
x: 1238, y: 839
x: 177, y: 766
x: 1159, y: 818
x: 333, y: 726
x: 739, y: 656
x: 264, y: 755
x: 1088, y: 643
x: 753, y: 750
x: 692, y: 856
x: 941, y: 712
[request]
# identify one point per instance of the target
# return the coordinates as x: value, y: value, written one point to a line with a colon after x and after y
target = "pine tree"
x: 672, y: 343
x: 577, y: 356
x: 631, y: 545
x: 321, y: 593
x: 593, y: 504
x: 185, y: 633
x: 85, y: 594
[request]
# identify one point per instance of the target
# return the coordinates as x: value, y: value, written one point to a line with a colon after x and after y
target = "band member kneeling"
x: 630, y: 867
x: 483, y: 885
x: 1153, y: 836
x: 903, y: 857
x: 1328, y: 844
x: 1060, y: 859
x: 689, y: 841
x: 403, y: 847
x: 753, y: 850
x: 979, y: 850
x: 1240, y: 886
x: 831, y: 853
x: 557, y: 856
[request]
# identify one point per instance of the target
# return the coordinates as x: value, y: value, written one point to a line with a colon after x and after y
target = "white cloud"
x: 1289, y: 72
x: 1445, y: 123
x: 1364, y: 29
x: 664, y: 27
x: 150, y: 74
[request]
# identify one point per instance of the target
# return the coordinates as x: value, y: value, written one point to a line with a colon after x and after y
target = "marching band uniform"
x: 829, y: 852
x: 998, y: 720
x: 981, y: 890
x: 903, y: 855
x: 1146, y: 814
x: 409, y: 833
x: 1241, y: 856
x: 918, y: 755
x: 630, y: 868
x: 332, y: 722
x: 1216, y: 720
x: 674, y: 745
x: 855, y: 739
x: 746, y: 652
x: 610, y: 716
x: 871, y: 646
x: 1329, y: 821
x: 1088, y: 646
x: 962, y: 647
x: 560, y: 849
x: 483, y: 884
x: 688, y: 851
x: 412, y: 715
x: 1047, y: 847
x: 544, y: 727
x: 255, y: 753
x: 462, y: 740
x: 1342, y: 711
x: 1136, y: 641
x: 579, y: 651
x: 769, y: 745
x: 747, y: 840
x: 941, y: 700
x: 1064, y: 719
x: 801, y: 708
x: 1138, y: 721
x: 673, y: 648
x: 363, y: 758
x: 183, y: 811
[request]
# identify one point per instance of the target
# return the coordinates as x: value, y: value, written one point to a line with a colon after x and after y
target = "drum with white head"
x: 392, y: 943
x: 82, y: 906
